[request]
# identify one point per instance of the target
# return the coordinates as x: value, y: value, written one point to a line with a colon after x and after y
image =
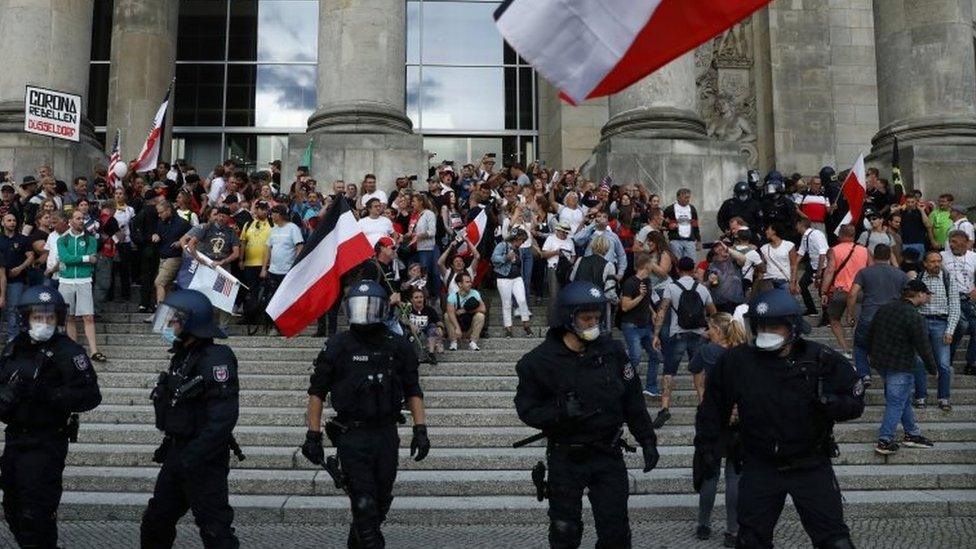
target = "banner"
x: 52, y: 113
x: 199, y: 273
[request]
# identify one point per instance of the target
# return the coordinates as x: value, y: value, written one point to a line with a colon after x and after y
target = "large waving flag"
x: 474, y: 232
x: 313, y: 284
x: 854, y: 192
x: 149, y: 156
x: 592, y: 48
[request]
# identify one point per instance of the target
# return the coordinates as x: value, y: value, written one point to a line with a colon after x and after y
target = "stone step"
x: 479, y: 437
x: 446, y: 399
x: 421, y: 510
x: 498, y: 483
x: 272, y: 457
x: 474, y: 417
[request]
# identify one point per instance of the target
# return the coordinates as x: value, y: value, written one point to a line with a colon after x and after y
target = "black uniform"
x: 196, y: 451
x: 750, y: 211
x: 787, y: 409
x: 780, y: 209
x: 48, y: 382
x: 584, y: 455
x: 370, y: 376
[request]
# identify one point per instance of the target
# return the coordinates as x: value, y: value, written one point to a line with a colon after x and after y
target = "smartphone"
x: 490, y: 155
x: 412, y: 177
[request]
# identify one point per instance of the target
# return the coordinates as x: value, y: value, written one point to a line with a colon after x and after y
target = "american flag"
x: 114, y: 158
x: 223, y: 285
x: 607, y: 180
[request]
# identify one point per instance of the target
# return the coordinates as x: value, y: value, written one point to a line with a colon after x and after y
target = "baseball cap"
x: 385, y: 241
x: 916, y: 285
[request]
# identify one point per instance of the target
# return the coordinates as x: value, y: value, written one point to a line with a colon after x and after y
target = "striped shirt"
x: 944, y: 302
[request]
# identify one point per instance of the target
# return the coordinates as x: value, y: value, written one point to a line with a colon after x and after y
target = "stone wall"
x: 854, y: 79
x: 568, y: 134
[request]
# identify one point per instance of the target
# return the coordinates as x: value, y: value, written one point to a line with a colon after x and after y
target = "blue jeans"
x: 684, y: 248
x: 936, y: 328
x: 14, y: 291
x: 898, y: 405
x: 967, y: 326
x: 638, y: 339
x: 528, y: 260
x: 681, y: 345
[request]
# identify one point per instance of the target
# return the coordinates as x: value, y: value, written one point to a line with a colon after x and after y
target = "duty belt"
x: 384, y: 422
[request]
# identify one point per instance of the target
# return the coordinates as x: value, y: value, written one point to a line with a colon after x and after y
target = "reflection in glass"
x: 255, y: 151
x: 526, y: 98
x: 101, y: 46
x: 199, y: 95
x: 413, y: 95
x: 98, y: 94
x: 202, y: 30
x: 413, y: 32
x: 463, y: 98
x: 461, y: 32
x: 270, y: 95
x: 274, y: 30
x: 200, y: 150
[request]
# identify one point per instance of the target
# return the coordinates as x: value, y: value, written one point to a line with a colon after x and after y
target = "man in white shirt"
x: 370, y: 191
x: 375, y: 225
x: 217, y: 184
x: 814, y: 248
x: 572, y: 212
x: 960, y: 261
x: 960, y: 223
x: 557, y: 244
x: 53, y: 264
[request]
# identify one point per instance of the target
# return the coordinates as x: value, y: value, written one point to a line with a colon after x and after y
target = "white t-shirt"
x: 375, y: 229
x: 682, y: 214
x: 962, y: 268
x: 814, y: 243
x: 565, y: 245
x: 282, y: 242
x: 777, y: 261
x: 378, y: 193
x: 216, y: 190
x: 572, y: 216
x: 51, y: 246
x: 123, y: 216
x: 964, y: 225
x: 753, y: 259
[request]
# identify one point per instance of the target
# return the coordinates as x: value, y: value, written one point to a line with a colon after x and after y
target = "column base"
x: 709, y: 168
x: 656, y: 123
x: 23, y: 152
x: 350, y: 156
x: 941, y: 130
x: 359, y: 117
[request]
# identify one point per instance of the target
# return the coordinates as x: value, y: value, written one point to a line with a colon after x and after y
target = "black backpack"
x: 564, y: 269
x: 691, y: 309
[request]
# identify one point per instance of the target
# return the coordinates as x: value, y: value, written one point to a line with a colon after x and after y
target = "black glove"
x: 8, y: 399
x: 159, y: 455
x: 420, y: 444
x: 834, y: 406
x: 312, y: 449
x: 572, y: 408
x: 651, y: 455
x: 703, y: 467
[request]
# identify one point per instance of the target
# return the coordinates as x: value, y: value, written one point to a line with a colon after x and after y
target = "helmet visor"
x: 44, y: 312
x: 168, y: 317
x: 363, y: 309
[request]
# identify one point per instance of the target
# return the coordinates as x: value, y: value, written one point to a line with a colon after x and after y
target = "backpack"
x: 564, y: 268
x: 691, y: 309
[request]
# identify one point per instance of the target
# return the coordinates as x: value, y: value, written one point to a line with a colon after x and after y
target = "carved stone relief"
x: 726, y: 88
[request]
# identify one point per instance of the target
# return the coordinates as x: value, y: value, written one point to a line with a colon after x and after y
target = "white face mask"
x: 770, y: 341
x: 589, y: 334
x: 41, y: 331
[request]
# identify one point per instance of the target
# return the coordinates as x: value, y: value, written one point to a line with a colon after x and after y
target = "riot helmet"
x: 42, y: 312
x: 775, y: 187
x: 755, y: 182
x: 776, y: 320
x: 367, y: 303
x: 576, y: 298
x: 741, y: 191
x: 773, y: 175
x: 186, y: 312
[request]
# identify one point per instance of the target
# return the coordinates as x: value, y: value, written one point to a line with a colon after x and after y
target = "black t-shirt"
x: 15, y: 250
x: 424, y: 317
x: 640, y: 315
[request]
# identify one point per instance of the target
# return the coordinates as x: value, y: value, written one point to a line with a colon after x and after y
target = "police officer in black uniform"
x: 196, y: 404
x: 755, y: 184
x: 779, y: 208
x: 743, y: 205
x: 45, y: 380
x: 579, y: 388
x: 789, y: 392
x: 371, y: 373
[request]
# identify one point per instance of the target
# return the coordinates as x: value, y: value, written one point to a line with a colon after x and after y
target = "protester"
x: 780, y: 258
x: 874, y: 286
x: 813, y: 256
x: 843, y: 263
x: 285, y: 244
x: 684, y: 234
x: 465, y: 316
x: 507, y: 263
x: 77, y: 253
x: 960, y: 261
x: 169, y: 231
x: 596, y: 270
x: 636, y: 321
x: 17, y: 258
x: 559, y: 253
x: 425, y: 325
x: 941, y: 314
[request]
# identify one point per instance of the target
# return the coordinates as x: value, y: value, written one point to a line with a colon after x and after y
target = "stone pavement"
x: 928, y: 533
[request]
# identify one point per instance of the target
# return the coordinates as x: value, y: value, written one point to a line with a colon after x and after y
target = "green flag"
x: 307, y: 157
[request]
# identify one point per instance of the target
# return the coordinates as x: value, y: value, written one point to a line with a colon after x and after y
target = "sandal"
x: 99, y: 357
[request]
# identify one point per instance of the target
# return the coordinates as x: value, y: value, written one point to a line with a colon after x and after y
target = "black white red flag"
x: 149, y: 156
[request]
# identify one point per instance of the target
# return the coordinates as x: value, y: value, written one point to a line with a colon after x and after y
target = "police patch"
x: 81, y: 362
x: 221, y: 374
x: 628, y: 372
x: 762, y: 308
x: 44, y: 297
x: 594, y: 292
x: 858, y: 388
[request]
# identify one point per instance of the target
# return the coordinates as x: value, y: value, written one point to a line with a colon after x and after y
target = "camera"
x: 412, y: 177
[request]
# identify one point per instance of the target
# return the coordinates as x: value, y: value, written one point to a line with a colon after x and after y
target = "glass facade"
x: 246, y: 76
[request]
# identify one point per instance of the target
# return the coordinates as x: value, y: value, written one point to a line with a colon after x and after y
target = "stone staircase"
x: 472, y: 475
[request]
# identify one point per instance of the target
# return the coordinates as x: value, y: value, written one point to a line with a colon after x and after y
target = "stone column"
x: 143, y: 63
x: 663, y: 105
x: 362, y: 67
x: 46, y: 43
x: 926, y: 74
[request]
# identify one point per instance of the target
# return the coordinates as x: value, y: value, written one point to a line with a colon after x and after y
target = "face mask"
x: 169, y: 335
x: 770, y: 341
x: 41, y: 331
x: 589, y: 334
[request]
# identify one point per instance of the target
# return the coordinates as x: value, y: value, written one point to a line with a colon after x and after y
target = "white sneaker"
x: 473, y: 346
x: 452, y: 346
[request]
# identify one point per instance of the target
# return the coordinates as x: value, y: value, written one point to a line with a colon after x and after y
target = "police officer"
x: 743, y: 205
x: 45, y: 378
x: 755, y: 184
x: 196, y: 405
x: 779, y: 208
x: 579, y: 388
x: 370, y: 372
x: 789, y: 392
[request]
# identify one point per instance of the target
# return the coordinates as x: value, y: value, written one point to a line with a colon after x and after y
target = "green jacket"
x: 72, y: 252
